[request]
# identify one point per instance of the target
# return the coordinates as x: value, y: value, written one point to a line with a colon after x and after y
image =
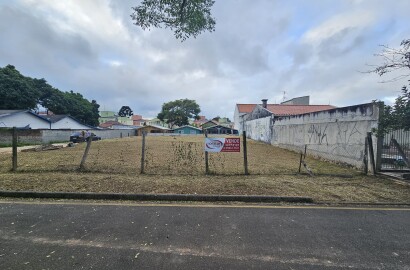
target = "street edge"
x: 155, y: 197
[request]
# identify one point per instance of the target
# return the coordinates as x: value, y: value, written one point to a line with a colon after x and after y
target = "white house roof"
x: 49, y: 119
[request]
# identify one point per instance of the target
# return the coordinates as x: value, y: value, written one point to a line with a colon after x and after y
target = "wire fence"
x: 165, y: 155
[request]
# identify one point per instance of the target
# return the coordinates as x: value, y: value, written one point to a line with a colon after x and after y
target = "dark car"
x: 77, y: 137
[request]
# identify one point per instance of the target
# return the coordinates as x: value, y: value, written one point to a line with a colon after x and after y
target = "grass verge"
x: 321, y: 189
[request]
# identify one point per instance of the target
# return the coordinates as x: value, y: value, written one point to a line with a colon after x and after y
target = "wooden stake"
x: 143, y: 152
x: 300, y: 162
x: 14, y: 158
x: 245, y: 153
x: 365, y: 157
x: 206, y: 156
x: 371, y: 152
x: 87, y: 148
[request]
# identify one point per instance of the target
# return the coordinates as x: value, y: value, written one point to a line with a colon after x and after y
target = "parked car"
x: 77, y: 137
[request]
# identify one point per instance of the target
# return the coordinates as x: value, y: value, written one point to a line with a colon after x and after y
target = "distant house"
x: 224, y: 121
x: 156, y: 122
x: 110, y: 124
x: 29, y: 119
x: 245, y: 112
x: 125, y: 120
x: 107, y: 116
x: 187, y: 130
x: 137, y: 120
x: 152, y: 129
x: 209, y: 123
x: 305, y: 100
x: 219, y: 129
x: 199, y: 122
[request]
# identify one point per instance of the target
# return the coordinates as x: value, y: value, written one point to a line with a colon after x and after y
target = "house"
x: 152, y: 129
x: 156, y: 122
x: 65, y: 122
x: 209, y: 123
x: 125, y: 120
x: 106, y: 116
x: 188, y: 130
x: 137, y: 120
x: 219, y: 129
x: 109, y: 124
x: 305, y: 100
x: 31, y: 120
x: 224, y: 121
x: 241, y: 110
x: 245, y: 112
x: 23, y: 119
x: 199, y: 122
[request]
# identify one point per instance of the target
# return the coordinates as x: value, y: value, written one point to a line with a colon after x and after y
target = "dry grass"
x: 176, y: 165
x: 168, y: 155
x: 332, y: 189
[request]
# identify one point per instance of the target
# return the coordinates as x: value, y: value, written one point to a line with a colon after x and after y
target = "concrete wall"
x: 30, y: 136
x: 337, y: 134
x: 37, y: 136
x: 260, y: 129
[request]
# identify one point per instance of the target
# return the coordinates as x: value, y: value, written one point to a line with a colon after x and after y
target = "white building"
x: 31, y: 120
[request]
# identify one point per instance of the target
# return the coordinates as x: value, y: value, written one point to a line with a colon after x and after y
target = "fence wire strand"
x: 169, y: 155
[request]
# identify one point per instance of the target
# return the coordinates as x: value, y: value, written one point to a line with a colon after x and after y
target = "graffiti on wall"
x: 317, y: 134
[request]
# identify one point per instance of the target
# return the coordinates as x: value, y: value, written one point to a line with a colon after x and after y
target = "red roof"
x: 109, y: 124
x: 245, y: 108
x: 283, y: 110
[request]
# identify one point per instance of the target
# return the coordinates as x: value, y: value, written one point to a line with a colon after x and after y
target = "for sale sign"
x: 222, y: 144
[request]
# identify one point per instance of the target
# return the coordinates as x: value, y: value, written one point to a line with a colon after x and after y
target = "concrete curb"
x: 154, y: 197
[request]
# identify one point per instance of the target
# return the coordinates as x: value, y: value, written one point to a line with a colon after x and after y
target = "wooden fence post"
x: 143, y: 152
x: 14, y: 158
x: 245, y: 153
x: 206, y: 156
x: 87, y: 148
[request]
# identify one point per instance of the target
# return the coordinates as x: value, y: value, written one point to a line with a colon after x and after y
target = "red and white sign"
x: 222, y: 144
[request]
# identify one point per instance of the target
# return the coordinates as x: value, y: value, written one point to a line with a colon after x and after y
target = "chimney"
x: 264, y: 103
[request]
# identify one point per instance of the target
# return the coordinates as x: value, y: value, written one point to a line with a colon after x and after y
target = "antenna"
x: 284, y: 96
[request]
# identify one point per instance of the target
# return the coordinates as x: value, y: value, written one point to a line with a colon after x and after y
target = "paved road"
x: 97, y: 236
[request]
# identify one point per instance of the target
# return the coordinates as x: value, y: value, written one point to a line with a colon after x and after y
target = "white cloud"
x: 260, y: 48
x: 357, y: 19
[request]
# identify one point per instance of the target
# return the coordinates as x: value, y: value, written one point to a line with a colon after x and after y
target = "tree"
x: 185, y: 17
x: 396, y: 116
x: 20, y: 92
x: 16, y: 90
x: 179, y: 112
x: 394, y: 59
x: 125, y: 111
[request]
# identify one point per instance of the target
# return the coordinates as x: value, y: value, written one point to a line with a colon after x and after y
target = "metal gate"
x: 396, y: 151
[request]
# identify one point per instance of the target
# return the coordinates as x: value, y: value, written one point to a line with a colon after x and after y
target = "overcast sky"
x: 260, y: 49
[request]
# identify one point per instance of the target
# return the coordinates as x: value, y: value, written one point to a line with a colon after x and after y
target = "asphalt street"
x: 52, y: 235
